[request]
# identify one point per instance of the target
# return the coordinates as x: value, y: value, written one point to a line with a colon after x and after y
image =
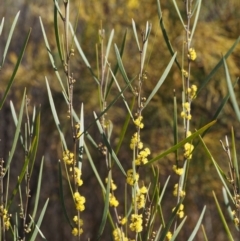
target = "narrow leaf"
x: 231, y: 92
x: 1, y: 26
x: 215, y: 69
x: 135, y: 34
x: 17, y: 132
x: 198, y: 4
x: 39, y: 222
x: 55, y: 116
x: 165, y: 35
x: 221, y: 174
x: 194, y: 232
x: 161, y: 80
x: 9, y: 37
x: 50, y: 55
x: 121, y: 68
x: 181, y: 143
x: 10, y: 82
x: 223, y: 219
x: 178, y: 12
x: 105, y: 210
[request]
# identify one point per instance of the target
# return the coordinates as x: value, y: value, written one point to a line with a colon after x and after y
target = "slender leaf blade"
x: 161, y: 80
x: 9, y: 37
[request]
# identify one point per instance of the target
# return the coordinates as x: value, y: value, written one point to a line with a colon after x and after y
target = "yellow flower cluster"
x: 177, y: 191
x: 188, y: 149
x: 131, y: 178
x: 113, y: 185
x: 186, y: 111
x: 192, y: 55
x: 77, y: 176
x: 79, y: 201
x: 122, y: 221
x: 136, y: 223
x: 68, y: 157
x: 6, y: 217
x: 78, y: 222
x: 138, y: 122
x: 169, y: 235
x: 77, y: 131
x: 185, y: 73
x: 235, y: 218
x: 136, y: 142
x: 113, y: 201
x: 180, y: 211
x: 118, y: 235
x: 192, y: 92
x: 178, y: 171
x: 141, y: 197
x: 142, y: 157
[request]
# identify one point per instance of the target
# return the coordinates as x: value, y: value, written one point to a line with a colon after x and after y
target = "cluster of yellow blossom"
x: 79, y: 201
x: 180, y: 211
x: 118, y: 235
x: 138, y: 122
x: 113, y: 185
x: 136, y: 142
x: 177, y: 191
x: 77, y: 131
x: 131, y: 178
x: 6, y: 217
x: 113, y: 201
x: 235, y: 218
x: 188, y: 149
x: 141, y: 197
x: 136, y: 223
x: 177, y: 170
x: 68, y: 157
x: 169, y: 235
x: 122, y: 221
x: 142, y: 157
x: 185, y: 73
x: 192, y: 92
x: 192, y: 55
x: 186, y: 111
x: 77, y: 176
x: 79, y: 223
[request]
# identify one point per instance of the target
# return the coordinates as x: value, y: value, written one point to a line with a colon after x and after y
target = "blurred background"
x: 217, y: 30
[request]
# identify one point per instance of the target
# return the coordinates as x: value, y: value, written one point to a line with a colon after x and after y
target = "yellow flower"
x: 185, y: 73
x: 140, y: 200
x: 68, y: 157
x: 113, y: 185
x: 79, y: 201
x: 118, y: 235
x: 142, y: 157
x: 136, y: 223
x: 138, y: 122
x: 75, y: 232
x: 192, y: 55
x: 135, y: 141
x: 130, y: 177
x: 186, y: 106
x: 123, y: 221
x: 180, y: 211
x: 177, y: 191
x: 188, y: 150
x: 178, y: 171
x: 113, y: 201
x: 169, y: 235
x: 77, y: 220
